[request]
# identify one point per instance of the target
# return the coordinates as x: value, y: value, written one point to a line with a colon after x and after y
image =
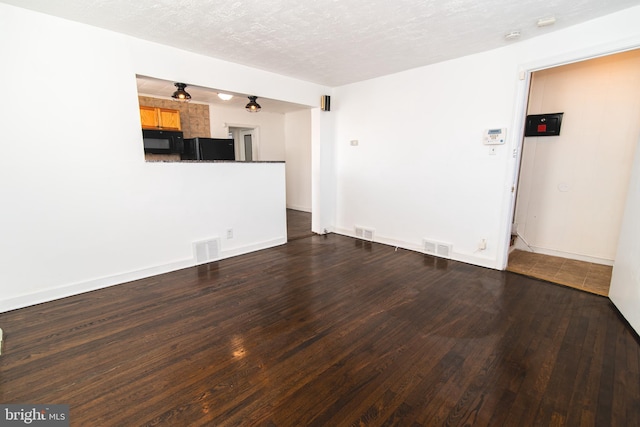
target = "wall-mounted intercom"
x: 496, y: 136
x: 543, y: 124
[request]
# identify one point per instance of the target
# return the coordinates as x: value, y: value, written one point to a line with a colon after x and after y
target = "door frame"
x: 236, y: 129
x: 525, y: 71
x: 242, y: 134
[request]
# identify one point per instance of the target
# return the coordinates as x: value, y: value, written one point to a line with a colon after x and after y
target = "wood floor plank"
x: 327, y: 330
x: 298, y: 224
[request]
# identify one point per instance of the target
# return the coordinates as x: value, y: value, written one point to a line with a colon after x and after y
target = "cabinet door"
x: 149, y: 117
x: 169, y: 119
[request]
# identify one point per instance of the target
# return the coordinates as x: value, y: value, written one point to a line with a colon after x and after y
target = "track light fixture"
x: 253, y: 106
x: 181, y: 94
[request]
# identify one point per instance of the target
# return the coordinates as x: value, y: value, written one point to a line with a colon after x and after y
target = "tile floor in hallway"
x: 586, y: 276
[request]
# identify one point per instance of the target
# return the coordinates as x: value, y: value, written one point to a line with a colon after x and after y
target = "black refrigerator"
x: 208, y: 149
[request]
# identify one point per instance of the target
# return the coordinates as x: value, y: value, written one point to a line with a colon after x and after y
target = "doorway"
x: 572, y: 187
x: 246, y: 142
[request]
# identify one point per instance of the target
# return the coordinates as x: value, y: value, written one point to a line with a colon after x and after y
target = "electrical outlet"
x: 229, y: 233
x: 482, y: 245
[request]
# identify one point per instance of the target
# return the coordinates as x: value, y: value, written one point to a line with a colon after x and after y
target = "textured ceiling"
x: 331, y: 42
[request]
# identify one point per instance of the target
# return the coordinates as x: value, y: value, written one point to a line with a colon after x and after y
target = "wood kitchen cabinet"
x: 159, y: 118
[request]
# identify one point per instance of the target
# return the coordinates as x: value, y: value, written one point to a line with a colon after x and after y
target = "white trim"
x: 516, y: 140
x: 253, y: 247
x: 242, y: 134
x: 585, y: 54
x: 255, y: 140
x: 118, y: 279
x: 522, y: 99
x: 571, y: 255
x: 89, y: 285
x: 468, y: 259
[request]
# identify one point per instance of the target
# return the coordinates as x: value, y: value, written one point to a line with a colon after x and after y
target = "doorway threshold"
x: 585, y: 276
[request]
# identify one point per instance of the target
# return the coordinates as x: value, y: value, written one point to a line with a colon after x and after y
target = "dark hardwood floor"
x: 298, y: 225
x: 327, y: 331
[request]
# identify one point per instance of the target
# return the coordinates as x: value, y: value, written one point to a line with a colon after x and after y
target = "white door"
x: 247, y: 145
x: 625, y: 281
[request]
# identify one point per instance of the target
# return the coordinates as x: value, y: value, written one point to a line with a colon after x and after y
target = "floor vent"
x: 364, y: 233
x: 440, y: 249
x: 208, y: 250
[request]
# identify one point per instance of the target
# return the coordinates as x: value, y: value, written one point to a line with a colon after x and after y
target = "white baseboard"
x: 47, y: 295
x: 569, y: 255
x: 522, y: 245
x: 252, y: 248
x: 455, y: 256
x: 89, y: 285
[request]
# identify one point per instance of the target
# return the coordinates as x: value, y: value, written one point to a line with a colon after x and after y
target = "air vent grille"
x: 430, y: 247
x: 364, y: 233
x: 443, y: 250
x: 207, y: 250
x: 440, y: 249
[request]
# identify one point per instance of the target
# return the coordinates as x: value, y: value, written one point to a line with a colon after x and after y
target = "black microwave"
x: 162, y: 141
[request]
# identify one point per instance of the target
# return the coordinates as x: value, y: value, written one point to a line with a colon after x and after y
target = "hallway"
x: 298, y: 225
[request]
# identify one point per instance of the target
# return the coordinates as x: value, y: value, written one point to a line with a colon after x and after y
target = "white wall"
x: 81, y: 208
x: 625, y: 281
x: 283, y: 137
x: 323, y: 171
x: 420, y: 169
x: 573, y: 186
x: 298, y: 159
x: 270, y: 128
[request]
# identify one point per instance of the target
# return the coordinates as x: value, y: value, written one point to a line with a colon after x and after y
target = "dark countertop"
x: 214, y: 161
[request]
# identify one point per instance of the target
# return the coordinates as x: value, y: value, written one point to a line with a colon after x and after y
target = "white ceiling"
x: 330, y: 42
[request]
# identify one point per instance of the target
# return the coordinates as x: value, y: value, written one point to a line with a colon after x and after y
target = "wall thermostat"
x: 496, y: 136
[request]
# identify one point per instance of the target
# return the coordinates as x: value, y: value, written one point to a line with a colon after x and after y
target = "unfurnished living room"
x: 327, y: 213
